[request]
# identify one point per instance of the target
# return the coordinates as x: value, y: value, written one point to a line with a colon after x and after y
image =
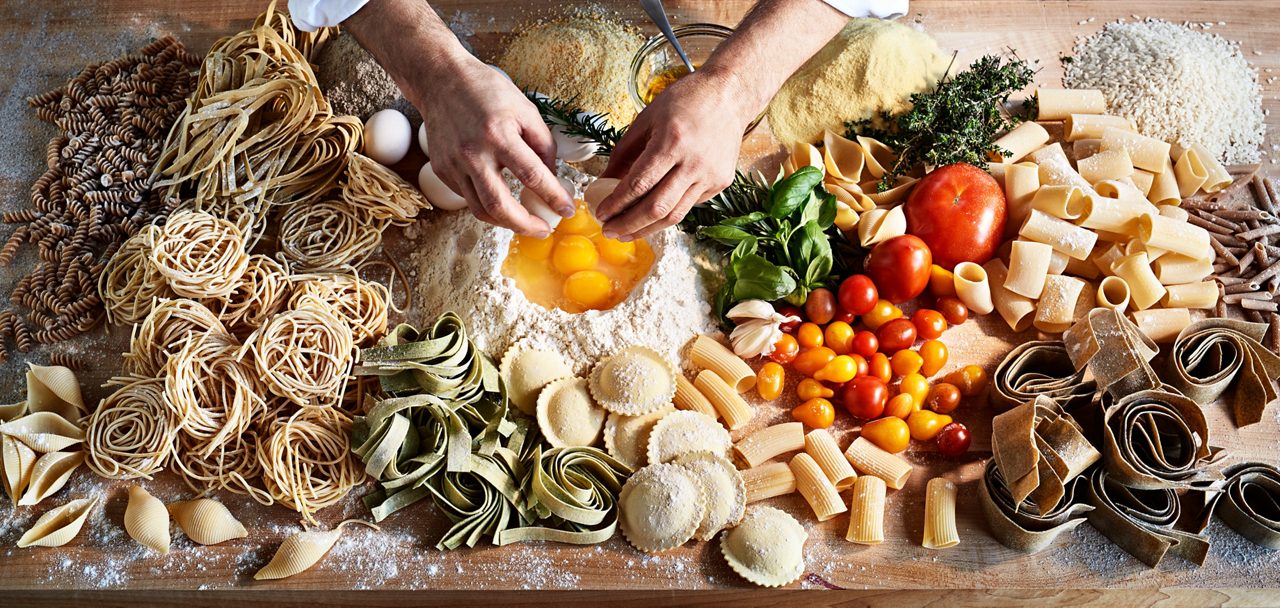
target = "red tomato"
x: 953, y: 310
x: 845, y: 316
x: 896, y: 335
x: 858, y: 294
x: 899, y: 267
x: 953, y: 440
x: 959, y: 211
x: 788, y: 310
x: 865, y: 344
x: 865, y: 397
x: 820, y: 307
x: 929, y: 323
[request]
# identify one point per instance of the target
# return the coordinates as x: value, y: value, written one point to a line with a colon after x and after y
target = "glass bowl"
x: 657, y: 58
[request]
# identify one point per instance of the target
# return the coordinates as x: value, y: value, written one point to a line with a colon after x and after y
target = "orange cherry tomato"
x: 900, y: 406
x: 953, y: 310
x: 925, y: 425
x: 906, y: 362
x: 882, y: 312
x: 916, y: 386
x: 785, y: 350
x: 838, y: 336
x: 943, y: 398
x: 929, y: 323
x: 865, y: 343
x: 812, y: 389
x: 812, y: 360
x: 817, y: 413
x: 970, y: 379
x: 879, y: 367
x: 934, y: 355
x: 840, y: 369
x: 769, y: 381
x: 942, y: 282
x: 889, y: 434
x: 809, y: 335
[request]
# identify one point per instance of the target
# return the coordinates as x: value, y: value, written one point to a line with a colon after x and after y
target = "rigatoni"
x: 1028, y: 268
x: 1191, y: 295
x: 1019, y: 142
x: 1144, y: 288
x: 688, y: 397
x: 817, y: 490
x: 735, y: 411
x: 1063, y: 236
x: 819, y: 444
x: 768, y: 480
x: 1162, y: 325
x: 1113, y: 293
x: 871, y: 460
x: 1016, y: 310
x: 768, y: 442
x: 866, y: 511
x: 940, y: 515
x: 1146, y: 152
x: 1080, y: 127
x: 707, y: 353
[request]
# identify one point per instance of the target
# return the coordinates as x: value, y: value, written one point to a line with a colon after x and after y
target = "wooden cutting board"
x: 46, y: 42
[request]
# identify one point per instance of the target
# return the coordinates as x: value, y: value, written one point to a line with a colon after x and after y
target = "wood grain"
x: 47, y: 41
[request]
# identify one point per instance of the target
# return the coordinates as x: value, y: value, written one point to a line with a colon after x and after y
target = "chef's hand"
x: 681, y: 150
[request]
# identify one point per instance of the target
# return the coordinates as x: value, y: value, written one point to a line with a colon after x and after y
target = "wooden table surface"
x: 45, y: 42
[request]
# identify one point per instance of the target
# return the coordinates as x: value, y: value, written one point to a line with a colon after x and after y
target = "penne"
x: 1028, y: 268
x: 1056, y: 309
x: 1162, y: 325
x: 1146, y: 152
x: 768, y: 442
x: 817, y: 490
x: 1174, y: 269
x: 1063, y: 202
x: 708, y: 353
x: 973, y: 288
x: 940, y: 515
x: 1107, y: 164
x: 866, y: 511
x: 1144, y: 288
x: 1191, y: 295
x: 1078, y: 127
x: 1060, y: 104
x: 688, y: 397
x: 1016, y: 310
x: 1179, y: 237
x: 732, y: 408
x: 1063, y: 236
x: 1113, y: 294
x: 822, y: 447
x: 869, y: 459
x: 768, y: 480
x: 1019, y: 142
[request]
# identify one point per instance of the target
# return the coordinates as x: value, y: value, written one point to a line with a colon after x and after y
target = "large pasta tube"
x: 768, y: 442
x: 940, y: 515
x: 866, y: 511
x: 822, y: 447
x: 768, y: 480
x: 817, y: 490
x: 871, y: 460
x: 735, y: 411
x: 707, y: 353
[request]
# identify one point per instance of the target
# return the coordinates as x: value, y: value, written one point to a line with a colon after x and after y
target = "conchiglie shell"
x: 44, y: 432
x: 59, y: 525
x: 802, y: 155
x: 55, y: 389
x: 878, y: 155
x: 12, y: 411
x: 206, y: 521
x: 19, y: 462
x: 302, y: 551
x: 50, y: 473
x: 147, y: 520
x: 844, y: 159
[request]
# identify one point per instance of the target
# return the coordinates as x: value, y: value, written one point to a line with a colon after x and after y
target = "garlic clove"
x: 751, y: 309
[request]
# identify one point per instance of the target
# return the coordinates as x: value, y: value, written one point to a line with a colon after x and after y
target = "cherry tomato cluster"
x: 859, y: 351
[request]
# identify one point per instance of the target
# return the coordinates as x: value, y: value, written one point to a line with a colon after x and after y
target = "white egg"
x: 538, y: 207
x: 598, y: 191
x: 501, y: 71
x: 387, y: 135
x: 422, y: 138
x: 437, y: 193
x: 571, y: 149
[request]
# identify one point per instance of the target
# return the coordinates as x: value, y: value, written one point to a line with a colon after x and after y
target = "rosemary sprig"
x: 575, y: 122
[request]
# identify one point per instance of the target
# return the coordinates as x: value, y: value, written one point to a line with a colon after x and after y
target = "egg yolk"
x: 576, y: 269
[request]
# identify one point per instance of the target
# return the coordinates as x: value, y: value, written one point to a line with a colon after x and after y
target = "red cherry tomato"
x: 858, y: 294
x: 900, y: 267
x: 865, y: 344
x: 820, y: 306
x: 953, y: 310
x: 788, y: 310
x: 865, y: 397
x: 845, y: 316
x: 959, y: 211
x: 953, y: 440
x: 896, y: 335
x: 929, y: 323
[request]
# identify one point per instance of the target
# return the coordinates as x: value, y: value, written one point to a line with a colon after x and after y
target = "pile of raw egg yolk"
x: 576, y: 268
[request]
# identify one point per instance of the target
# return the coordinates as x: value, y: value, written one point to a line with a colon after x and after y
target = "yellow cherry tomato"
x: 879, y: 367
x: 916, y: 386
x: 933, y: 354
x: 906, y: 362
x: 889, y: 434
x: 838, y: 336
x: 840, y: 369
x: 809, y: 335
x: 882, y: 312
x: 942, y: 282
x: 574, y: 253
x: 769, y: 381
x: 925, y: 424
x: 810, y: 361
x: 970, y: 379
x: 812, y: 389
x: 817, y: 413
x: 900, y: 406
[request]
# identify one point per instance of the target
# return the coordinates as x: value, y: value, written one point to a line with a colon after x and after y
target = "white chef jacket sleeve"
x: 880, y: 9
x: 311, y: 15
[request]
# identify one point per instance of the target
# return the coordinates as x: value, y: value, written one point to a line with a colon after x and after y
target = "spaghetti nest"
x: 328, y: 235
x: 165, y: 331
x: 306, y: 460
x: 131, y: 434
x: 361, y: 304
x: 210, y: 391
x: 263, y: 290
x: 129, y: 283
x: 200, y: 255
x: 304, y: 354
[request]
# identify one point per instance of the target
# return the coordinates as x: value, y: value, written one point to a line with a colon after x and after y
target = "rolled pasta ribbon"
x: 577, y: 485
x: 1040, y: 368
x: 973, y: 288
x: 1020, y: 525
x: 1141, y: 521
x: 1115, y: 353
x: 1040, y: 448
x: 1155, y: 439
x: 484, y: 500
x: 1247, y: 502
x: 1210, y: 356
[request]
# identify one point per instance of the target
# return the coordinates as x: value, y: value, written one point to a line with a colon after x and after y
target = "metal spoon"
x: 659, y: 16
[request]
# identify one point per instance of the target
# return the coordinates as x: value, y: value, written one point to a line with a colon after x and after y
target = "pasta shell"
x: 302, y: 551
x: 802, y: 155
x: 19, y: 461
x: 49, y: 474
x: 12, y: 411
x: 55, y: 389
x: 877, y: 155
x: 880, y: 225
x: 843, y: 158
x: 59, y: 525
x: 147, y: 520
x: 206, y: 521
x: 44, y: 432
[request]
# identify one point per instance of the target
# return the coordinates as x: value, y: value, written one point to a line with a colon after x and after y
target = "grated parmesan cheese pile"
x: 1176, y: 85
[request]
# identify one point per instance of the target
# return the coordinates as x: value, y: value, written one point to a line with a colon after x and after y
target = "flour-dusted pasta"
x: 1188, y: 170
x: 1191, y: 295
x: 1079, y: 127
x: 817, y: 490
x: 19, y: 461
x: 1056, y: 309
x: 637, y: 380
x: 1146, y: 152
x: 1016, y: 310
x: 940, y: 515
x: 660, y: 507
x: 1019, y: 142
x: 303, y: 550
x: 50, y: 474
x: 1060, y: 104
x: 567, y: 415
x: 879, y: 225
x: 768, y: 442
x: 768, y: 480
x: 54, y: 389
x: 1021, y: 183
x: 689, y: 398
x: 1174, y: 213
x: 1105, y: 260
x: 1063, y: 202
x: 1218, y: 176
x: 1081, y: 268
x: 1028, y: 268
x: 767, y: 548
x: 527, y: 370
x: 707, y: 353
x: 1174, y: 269
x: 199, y: 255
x: 866, y: 511
x: 735, y: 411
x: 1164, y: 186
x: 1142, y: 180
x: 1058, y: 262
x: 1107, y: 164
x: 1172, y: 235
x: 43, y: 432
x: 1116, y: 209
x: 723, y: 488
x: 59, y: 525
x: 1113, y: 293
x: 1162, y: 325
x: 1084, y: 148
x: 973, y: 288
x: 133, y: 432
x: 871, y: 460
x: 822, y: 447
x: 683, y: 432
x: 1063, y: 236
x: 1056, y: 169
x: 147, y: 520
x: 206, y: 521
x: 1144, y: 288
x: 626, y: 438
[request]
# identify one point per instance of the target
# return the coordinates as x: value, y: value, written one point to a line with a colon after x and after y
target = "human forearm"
x: 409, y: 40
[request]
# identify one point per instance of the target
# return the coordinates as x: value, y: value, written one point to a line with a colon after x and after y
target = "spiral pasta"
x: 132, y: 432
x: 306, y: 460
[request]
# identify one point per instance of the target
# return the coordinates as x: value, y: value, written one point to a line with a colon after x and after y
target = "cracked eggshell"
x: 387, y: 136
x: 437, y: 193
x: 598, y: 191
x: 539, y: 208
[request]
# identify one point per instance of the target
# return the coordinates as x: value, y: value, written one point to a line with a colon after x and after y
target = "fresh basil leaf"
x: 811, y: 210
x: 760, y: 279
x: 726, y: 235
x: 827, y: 214
x: 744, y: 220
x: 817, y: 264
x: 793, y: 191
x: 744, y: 248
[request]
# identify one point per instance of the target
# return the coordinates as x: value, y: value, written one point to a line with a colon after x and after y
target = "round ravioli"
x: 635, y: 381
x: 722, y: 484
x: 767, y: 548
x: 660, y: 507
x: 684, y: 432
x: 627, y: 437
x: 567, y: 416
x: 527, y: 370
